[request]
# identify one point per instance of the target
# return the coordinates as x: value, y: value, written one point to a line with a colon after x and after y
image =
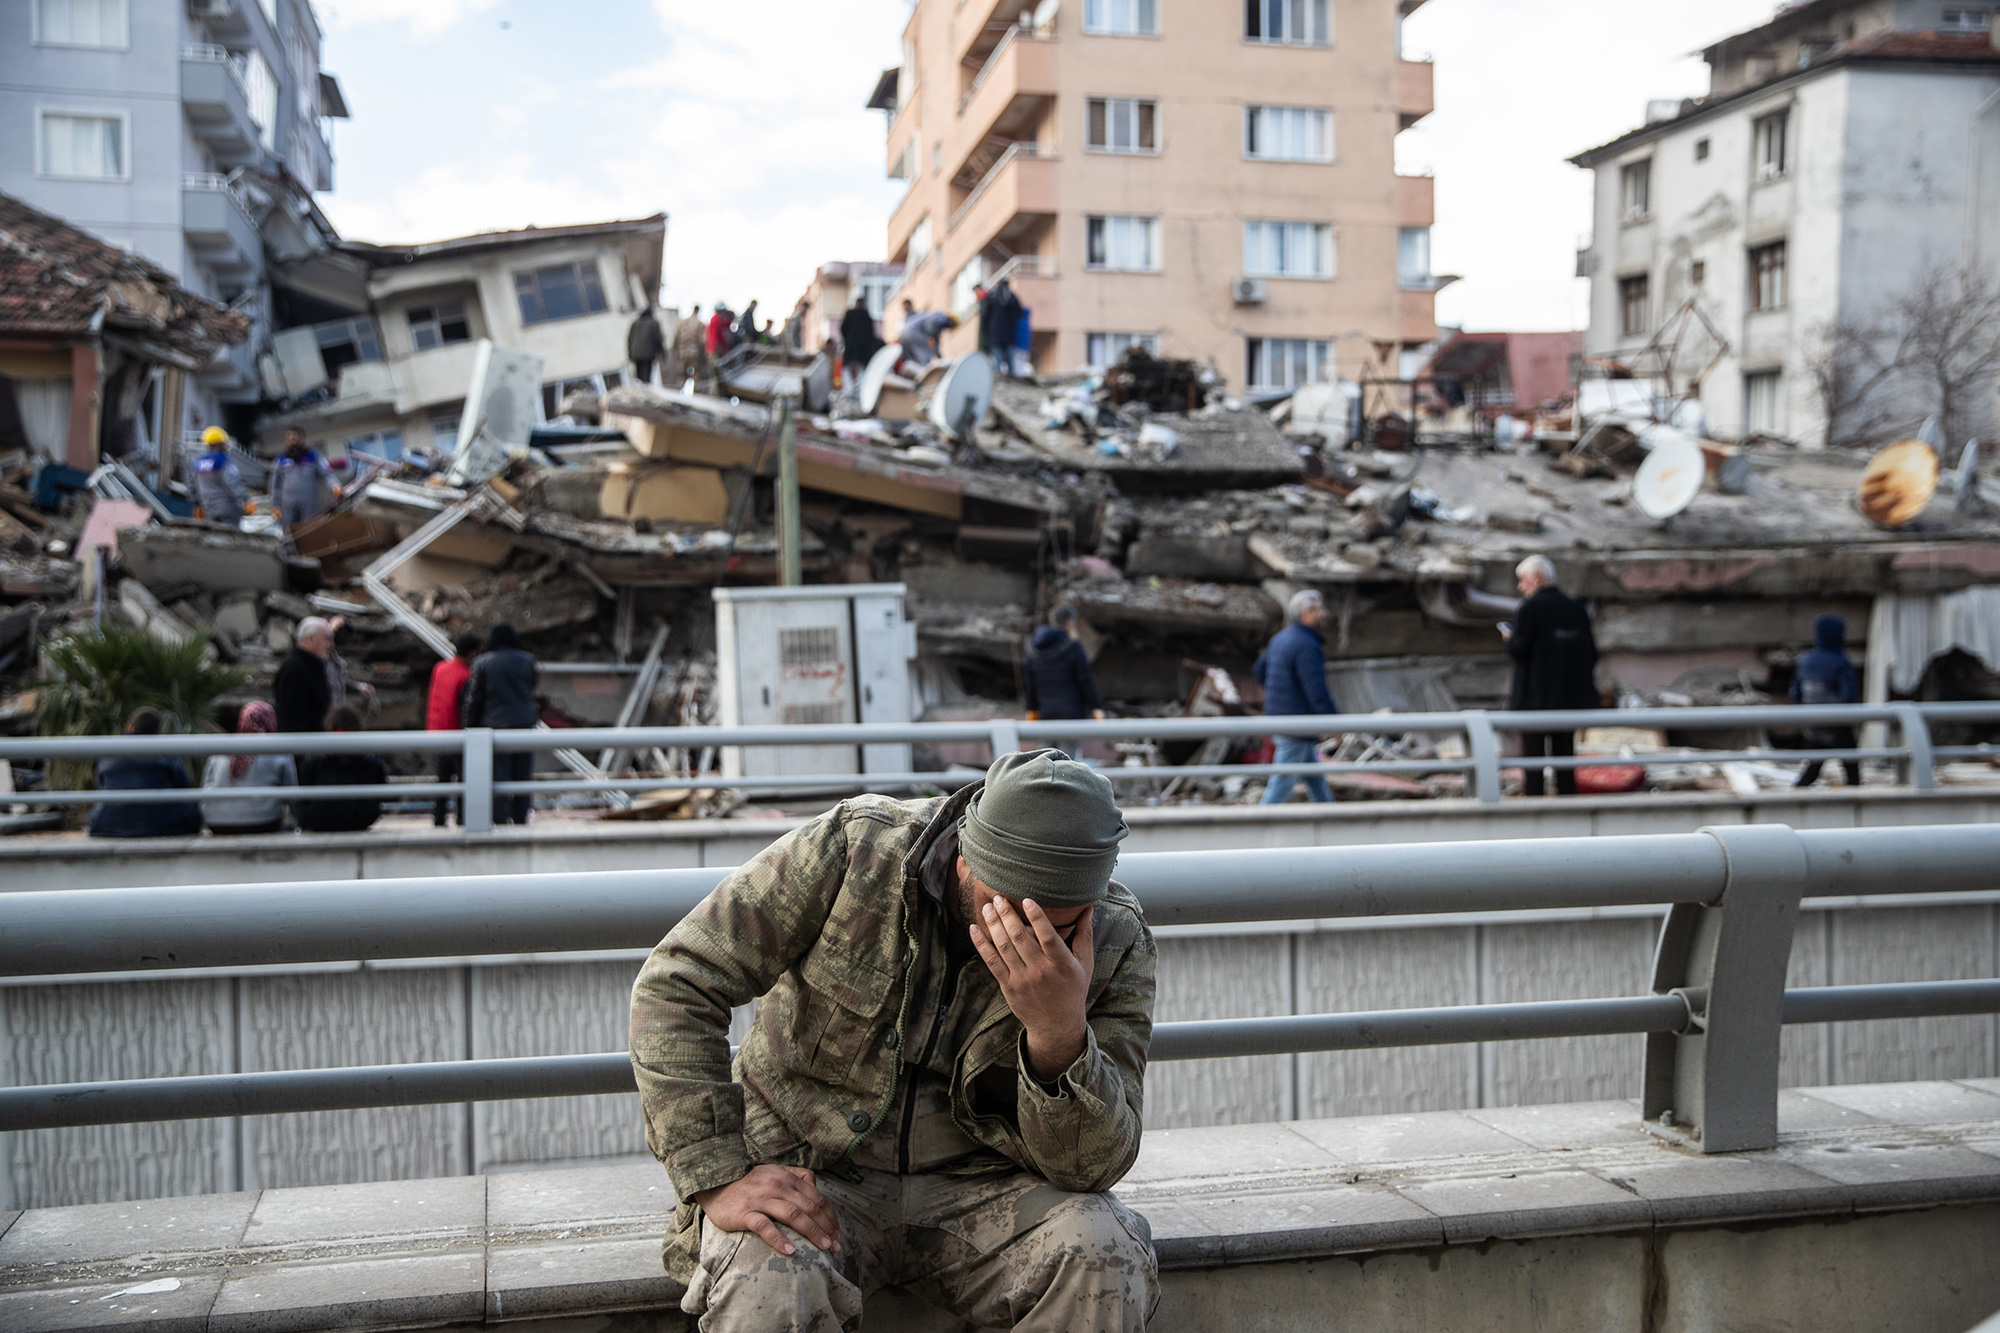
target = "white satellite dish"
x: 879, y: 366
x: 1670, y: 478
x: 962, y: 396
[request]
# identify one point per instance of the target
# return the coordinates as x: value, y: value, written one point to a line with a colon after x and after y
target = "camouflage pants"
x: 998, y: 1251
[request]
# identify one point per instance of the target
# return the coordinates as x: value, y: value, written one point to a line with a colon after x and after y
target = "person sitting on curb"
x: 341, y: 814
x: 151, y: 819
x: 263, y: 814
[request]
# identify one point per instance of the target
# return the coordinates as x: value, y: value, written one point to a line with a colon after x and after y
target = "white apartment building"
x: 393, y: 328
x: 1841, y: 159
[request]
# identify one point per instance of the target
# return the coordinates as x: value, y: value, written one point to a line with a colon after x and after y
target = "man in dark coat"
x: 341, y: 814
x: 302, y: 692
x: 645, y: 343
x: 1056, y: 677
x: 502, y: 694
x: 166, y: 819
x: 1824, y: 675
x: 858, y: 342
x: 1292, y: 670
x: 1555, y: 664
x: 999, y: 325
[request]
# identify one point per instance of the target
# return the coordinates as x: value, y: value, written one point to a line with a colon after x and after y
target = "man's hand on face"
x: 769, y: 1195
x: 1046, y: 982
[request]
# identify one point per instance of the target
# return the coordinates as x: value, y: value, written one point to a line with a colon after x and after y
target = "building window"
x: 1287, y: 250
x: 1966, y: 20
x: 1287, y: 22
x: 1122, y: 18
x: 383, y: 445
x: 1634, y: 305
x: 1288, y: 133
x: 1770, y: 133
x: 92, y: 23
x: 920, y: 241
x: 1635, y: 189
x: 875, y: 289
x: 964, y: 299
x: 342, y: 342
x: 1697, y: 271
x: 1413, y: 258
x: 1122, y: 244
x: 1287, y: 363
x: 84, y: 147
x: 1102, y: 350
x: 439, y: 323
x: 1760, y: 402
x: 1701, y: 150
x: 1767, y: 276
x: 444, y: 433
x: 260, y: 89
x: 560, y: 291
x: 600, y: 383
x: 1121, y: 125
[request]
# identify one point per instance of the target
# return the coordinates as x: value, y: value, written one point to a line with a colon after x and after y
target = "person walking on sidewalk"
x: 1555, y: 664
x: 1292, y: 670
x: 1057, y: 680
x: 502, y: 695
x: 1825, y: 675
x: 443, y: 712
x: 943, y: 1078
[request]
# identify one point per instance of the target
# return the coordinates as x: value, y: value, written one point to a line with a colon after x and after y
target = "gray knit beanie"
x: 1044, y: 827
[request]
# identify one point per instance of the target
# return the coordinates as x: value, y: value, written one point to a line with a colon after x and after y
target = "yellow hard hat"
x: 215, y: 435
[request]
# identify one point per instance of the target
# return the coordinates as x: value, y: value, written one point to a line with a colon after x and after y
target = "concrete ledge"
x: 1293, y: 1204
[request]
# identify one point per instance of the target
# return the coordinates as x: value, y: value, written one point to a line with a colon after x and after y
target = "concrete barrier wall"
x: 349, y: 1014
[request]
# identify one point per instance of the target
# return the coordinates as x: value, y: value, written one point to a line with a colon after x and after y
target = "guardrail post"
x: 1485, y: 746
x: 1714, y: 1085
x: 1918, y: 767
x: 1006, y: 734
x: 476, y: 801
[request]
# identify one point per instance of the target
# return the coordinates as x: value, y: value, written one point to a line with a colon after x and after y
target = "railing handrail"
x: 1019, y: 148
x: 1015, y: 33
x: 1711, y: 1022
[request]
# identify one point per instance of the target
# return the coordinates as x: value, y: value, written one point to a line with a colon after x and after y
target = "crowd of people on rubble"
x: 488, y: 682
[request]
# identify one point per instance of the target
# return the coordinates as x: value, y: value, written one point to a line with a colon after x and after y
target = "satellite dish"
x: 1670, y: 478
x: 1967, y: 477
x: 1899, y: 482
x: 963, y: 395
x: 879, y: 367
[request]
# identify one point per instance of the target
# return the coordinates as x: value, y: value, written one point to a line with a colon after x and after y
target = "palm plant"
x: 95, y: 679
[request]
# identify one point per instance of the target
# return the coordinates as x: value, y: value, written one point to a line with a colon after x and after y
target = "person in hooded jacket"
x: 163, y: 819
x: 999, y: 325
x: 341, y: 814
x: 1825, y: 675
x: 858, y: 342
x: 502, y: 694
x: 1056, y: 677
x: 223, y: 771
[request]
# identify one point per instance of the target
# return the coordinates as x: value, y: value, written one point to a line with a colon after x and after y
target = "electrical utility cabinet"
x: 813, y: 656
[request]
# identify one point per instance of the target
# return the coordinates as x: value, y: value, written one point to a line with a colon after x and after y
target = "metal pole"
x: 790, y: 572
x: 475, y: 803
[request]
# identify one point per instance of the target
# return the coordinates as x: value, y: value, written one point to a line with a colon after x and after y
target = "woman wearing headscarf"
x: 257, y: 814
x: 502, y: 695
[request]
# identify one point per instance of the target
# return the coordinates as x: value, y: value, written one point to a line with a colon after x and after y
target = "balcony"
x: 217, y: 107
x: 1416, y: 315
x: 232, y: 370
x: 1415, y: 91
x: 1416, y: 201
x: 218, y: 224
x: 979, y: 26
x: 1005, y: 99
x: 1018, y: 192
x: 427, y: 378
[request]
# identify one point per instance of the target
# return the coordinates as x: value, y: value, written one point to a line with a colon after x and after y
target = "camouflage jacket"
x: 819, y: 926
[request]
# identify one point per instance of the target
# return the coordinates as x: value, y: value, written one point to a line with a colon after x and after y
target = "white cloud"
x: 426, y: 18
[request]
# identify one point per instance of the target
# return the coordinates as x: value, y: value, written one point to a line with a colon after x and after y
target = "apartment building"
x: 191, y: 132
x: 1846, y: 158
x: 383, y: 357
x: 1214, y: 181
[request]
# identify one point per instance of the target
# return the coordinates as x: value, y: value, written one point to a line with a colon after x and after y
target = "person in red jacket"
x: 721, y: 330
x: 448, y: 680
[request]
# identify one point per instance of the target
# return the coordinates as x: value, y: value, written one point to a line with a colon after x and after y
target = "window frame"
x: 578, y: 268
x: 1775, y: 378
x: 436, y: 321
x: 1769, y: 279
x: 1106, y: 148
x: 1326, y: 267
x: 1103, y: 221
x: 1761, y: 169
x: 1254, y: 12
x: 1103, y: 30
x: 1628, y: 327
x: 1429, y: 274
x: 1701, y: 149
x: 1319, y: 355
x: 1103, y: 338
x: 1639, y: 169
x: 124, y: 42
x: 121, y: 117
x: 1250, y: 132
x: 1964, y: 30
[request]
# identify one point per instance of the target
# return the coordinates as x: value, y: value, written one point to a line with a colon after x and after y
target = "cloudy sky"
x: 745, y: 123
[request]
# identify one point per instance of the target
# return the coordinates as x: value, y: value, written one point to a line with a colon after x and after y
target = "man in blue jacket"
x: 161, y: 819
x: 1056, y: 677
x: 1292, y: 671
x: 1826, y: 676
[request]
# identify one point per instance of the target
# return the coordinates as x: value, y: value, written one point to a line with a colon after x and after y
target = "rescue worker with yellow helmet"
x: 218, y: 485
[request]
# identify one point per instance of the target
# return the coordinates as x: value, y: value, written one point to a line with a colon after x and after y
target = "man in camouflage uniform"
x: 944, y: 1075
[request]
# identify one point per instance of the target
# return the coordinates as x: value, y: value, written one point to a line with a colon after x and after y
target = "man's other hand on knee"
x: 768, y: 1196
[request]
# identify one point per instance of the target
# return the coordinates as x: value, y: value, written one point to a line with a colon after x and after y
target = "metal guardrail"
x: 1914, y: 752
x: 1711, y: 1023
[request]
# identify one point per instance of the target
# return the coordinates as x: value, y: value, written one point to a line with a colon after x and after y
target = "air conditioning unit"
x: 1247, y: 291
